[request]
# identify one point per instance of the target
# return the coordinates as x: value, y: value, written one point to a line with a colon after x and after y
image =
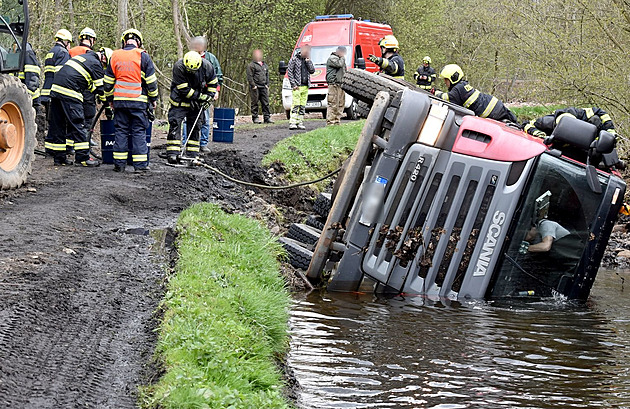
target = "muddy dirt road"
x: 79, y: 281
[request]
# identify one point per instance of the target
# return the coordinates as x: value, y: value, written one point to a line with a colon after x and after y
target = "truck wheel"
x: 17, y: 132
x: 364, y: 85
x: 363, y: 109
x: 304, y: 233
x: 351, y: 112
x: 299, y: 256
x: 322, y: 204
x: 316, y: 221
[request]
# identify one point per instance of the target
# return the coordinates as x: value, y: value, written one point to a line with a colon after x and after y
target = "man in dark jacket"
x: 425, y: 75
x: 258, y: 80
x: 544, y: 126
x: 299, y: 72
x: 80, y: 73
x: 31, y: 74
x: 335, y: 70
x: 461, y: 93
x: 390, y: 62
x: 192, y: 89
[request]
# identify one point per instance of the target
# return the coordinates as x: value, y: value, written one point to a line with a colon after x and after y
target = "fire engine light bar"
x: 335, y: 17
x: 433, y: 124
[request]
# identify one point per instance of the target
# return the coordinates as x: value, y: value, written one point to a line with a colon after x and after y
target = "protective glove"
x: 109, y: 114
x: 524, y: 247
x: 376, y: 60
x: 204, y: 98
x: 150, y: 114
x: 416, y: 75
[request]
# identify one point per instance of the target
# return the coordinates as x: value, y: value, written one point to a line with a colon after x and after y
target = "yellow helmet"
x: 389, y: 42
x: 426, y: 60
x: 63, y: 35
x: 87, y: 32
x: 131, y: 33
x: 192, y: 60
x: 453, y: 73
x: 107, y: 52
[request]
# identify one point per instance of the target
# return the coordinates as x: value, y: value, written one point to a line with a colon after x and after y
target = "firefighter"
x: 299, y: 71
x: 192, y: 90
x: 80, y: 74
x: 87, y: 38
x: 55, y: 59
x: 544, y: 126
x: 31, y: 75
x: 390, y: 62
x: 461, y: 93
x: 131, y: 87
x: 425, y: 76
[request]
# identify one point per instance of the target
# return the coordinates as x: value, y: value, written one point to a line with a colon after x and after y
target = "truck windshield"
x: 12, y: 23
x: 320, y: 54
x: 551, y: 233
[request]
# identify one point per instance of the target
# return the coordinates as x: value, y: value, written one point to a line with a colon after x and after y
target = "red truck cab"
x: 324, y: 35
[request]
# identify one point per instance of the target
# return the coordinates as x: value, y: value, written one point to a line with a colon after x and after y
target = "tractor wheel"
x: 17, y: 132
x: 364, y: 85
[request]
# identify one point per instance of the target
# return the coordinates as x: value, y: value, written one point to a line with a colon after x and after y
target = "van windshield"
x: 320, y: 54
x: 552, y: 231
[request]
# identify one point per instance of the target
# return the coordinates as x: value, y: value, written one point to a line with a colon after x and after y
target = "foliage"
x: 310, y: 155
x: 527, y: 112
x: 225, y: 319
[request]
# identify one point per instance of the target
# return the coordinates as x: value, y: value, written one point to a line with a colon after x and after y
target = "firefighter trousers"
x: 176, y: 116
x: 298, y: 105
x: 336, y: 103
x: 260, y: 95
x: 67, y: 121
x: 131, y: 126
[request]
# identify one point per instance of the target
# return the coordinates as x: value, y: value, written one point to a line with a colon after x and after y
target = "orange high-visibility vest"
x: 78, y: 50
x: 128, y: 73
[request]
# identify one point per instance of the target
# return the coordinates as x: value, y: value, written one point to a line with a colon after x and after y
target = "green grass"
x: 225, y: 317
x: 526, y: 113
x: 310, y: 155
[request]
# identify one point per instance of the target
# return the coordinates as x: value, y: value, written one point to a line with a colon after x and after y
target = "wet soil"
x: 80, y: 279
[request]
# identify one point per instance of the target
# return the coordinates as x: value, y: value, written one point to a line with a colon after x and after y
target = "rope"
x: 242, y: 182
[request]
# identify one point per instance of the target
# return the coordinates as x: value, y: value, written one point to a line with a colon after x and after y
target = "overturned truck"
x: 438, y: 202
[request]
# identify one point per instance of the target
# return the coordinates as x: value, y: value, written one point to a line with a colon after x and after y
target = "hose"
x: 242, y: 182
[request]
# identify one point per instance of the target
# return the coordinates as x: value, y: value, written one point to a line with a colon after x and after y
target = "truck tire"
x: 352, y: 111
x: 304, y: 233
x: 363, y: 109
x: 364, y: 85
x: 17, y: 132
x: 316, y: 221
x: 322, y: 204
x: 299, y: 256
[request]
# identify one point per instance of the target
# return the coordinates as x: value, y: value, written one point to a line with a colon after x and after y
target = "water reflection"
x: 362, y: 352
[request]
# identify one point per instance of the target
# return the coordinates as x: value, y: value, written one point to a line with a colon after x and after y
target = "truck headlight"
x: 286, y: 84
x: 433, y: 124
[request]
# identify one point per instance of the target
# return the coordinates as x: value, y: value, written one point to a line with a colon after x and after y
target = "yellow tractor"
x: 17, y: 116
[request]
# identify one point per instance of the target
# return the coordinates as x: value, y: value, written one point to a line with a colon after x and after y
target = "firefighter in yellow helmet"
x: 461, y: 93
x: 390, y: 62
x: 192, y: 90
x: 425, y: 76
x: 55, y: 59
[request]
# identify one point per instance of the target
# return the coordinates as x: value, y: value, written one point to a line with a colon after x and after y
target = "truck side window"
x: 358, y: 53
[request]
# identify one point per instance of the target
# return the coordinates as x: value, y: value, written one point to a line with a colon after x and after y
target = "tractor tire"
x: 304, y: 233
x: 316, y: 221
x: 299, y: 257
x: 322, y: 204
x: 17, y: 132
x: 364, y: 85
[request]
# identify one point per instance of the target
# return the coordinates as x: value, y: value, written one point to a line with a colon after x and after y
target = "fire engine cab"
x: 324, y: 35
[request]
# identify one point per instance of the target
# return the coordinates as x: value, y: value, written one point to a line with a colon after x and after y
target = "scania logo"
x: 494, y: 231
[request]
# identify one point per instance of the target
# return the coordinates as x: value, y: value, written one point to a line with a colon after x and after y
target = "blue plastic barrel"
x: 223, y: 125
x: 108, y: 136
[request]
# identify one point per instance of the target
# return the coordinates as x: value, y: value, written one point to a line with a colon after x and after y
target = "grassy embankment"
x: 525, y: 113
x: 225, y: 317
x: 307, y: 156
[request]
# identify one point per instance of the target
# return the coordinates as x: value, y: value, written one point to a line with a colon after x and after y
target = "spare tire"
x: 299, y: 256
x: 364, y: 85
x: 17, y: 138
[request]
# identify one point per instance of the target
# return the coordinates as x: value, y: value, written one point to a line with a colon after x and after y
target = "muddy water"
x: 363, y: 352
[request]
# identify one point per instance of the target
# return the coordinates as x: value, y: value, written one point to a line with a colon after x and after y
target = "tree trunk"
x: 123, y: 15
x: 177, y: 27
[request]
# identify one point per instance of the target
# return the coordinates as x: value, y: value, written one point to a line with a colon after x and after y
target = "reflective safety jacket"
x: 188, y: 86
x: 544, y: 126
x: 31, y: 74
x: 483, y: 105
x: 429, y: 73
x: 394, y: 66
x: 80, y: 73
x: 130, y: 80
x: 78, y: 50
x: 55, y: 59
